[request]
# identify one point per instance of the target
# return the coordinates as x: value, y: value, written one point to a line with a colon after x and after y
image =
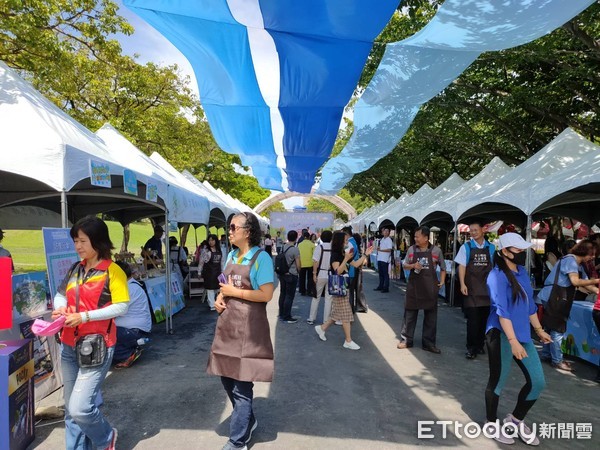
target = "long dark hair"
x: 217, y: 244
x: 337, y: 242
x: 516, y: 288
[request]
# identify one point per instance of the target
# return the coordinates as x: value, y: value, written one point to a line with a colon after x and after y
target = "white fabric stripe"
x: 266, y: 66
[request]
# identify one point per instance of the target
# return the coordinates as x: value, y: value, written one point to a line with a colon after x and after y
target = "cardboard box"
x: 17, y: 424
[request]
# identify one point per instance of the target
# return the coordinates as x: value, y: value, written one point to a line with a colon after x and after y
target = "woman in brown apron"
x: 422, y: 292
x: 242, y: 352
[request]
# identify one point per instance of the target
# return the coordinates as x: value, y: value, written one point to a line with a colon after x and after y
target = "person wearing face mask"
x: 567, y: 275
x: 508, y: 337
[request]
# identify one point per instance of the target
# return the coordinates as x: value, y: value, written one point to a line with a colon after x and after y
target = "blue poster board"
x: 582, y: 338
x: 157, y: 292
x: 60, y: 255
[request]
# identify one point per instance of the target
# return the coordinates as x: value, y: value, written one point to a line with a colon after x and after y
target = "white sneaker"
x: 498, y: 434
x: 320, y: 332
x: 525, y: 433
x: 351, y: 345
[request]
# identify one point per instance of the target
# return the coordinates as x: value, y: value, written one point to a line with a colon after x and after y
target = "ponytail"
x: 517, y: 289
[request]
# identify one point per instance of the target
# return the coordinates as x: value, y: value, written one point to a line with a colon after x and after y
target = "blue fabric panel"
x: 416, y: 69
x: 218, y: 50
x: 357, y: 20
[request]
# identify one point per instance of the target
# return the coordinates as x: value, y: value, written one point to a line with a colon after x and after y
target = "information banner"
x: 286, y: 221
x: 157, y: 292
x: 5, y: 293
x: 130, y: 182
x: 60, y: 255
x: 99, y: 174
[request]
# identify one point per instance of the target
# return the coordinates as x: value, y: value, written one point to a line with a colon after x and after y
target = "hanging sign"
x: 151, y: 192
x: 99, y: 174
x: 130, y: 182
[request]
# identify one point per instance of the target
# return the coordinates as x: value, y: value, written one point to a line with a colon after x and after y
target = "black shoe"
x: 361, y: 310
x: 378, y: 289
x: 470, y: 354
x: 481, y: 351
x: 432, y: 349
x: 290, y: 320
x: 385, y: 291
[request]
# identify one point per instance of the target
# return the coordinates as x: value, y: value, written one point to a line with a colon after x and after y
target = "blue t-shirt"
x: 355, y: 256
x: 568, y: 265
x: 502, y: 304
x: 261, y: 272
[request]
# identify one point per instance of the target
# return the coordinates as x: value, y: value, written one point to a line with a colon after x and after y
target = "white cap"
x: 513, y: 240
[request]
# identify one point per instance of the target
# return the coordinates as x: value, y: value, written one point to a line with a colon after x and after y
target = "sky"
x: 151, y: 46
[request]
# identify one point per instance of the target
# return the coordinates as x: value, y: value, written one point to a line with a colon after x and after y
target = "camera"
x: 91, y: 350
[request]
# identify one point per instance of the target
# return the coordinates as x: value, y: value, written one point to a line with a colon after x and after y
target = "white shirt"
x: 461, y: 256
x: 325, y: 263
x: 138, y: 314
x: 385, y: 243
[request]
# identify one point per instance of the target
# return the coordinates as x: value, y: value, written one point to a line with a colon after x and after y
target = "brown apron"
x: 422, y: 290
x: 478, y: 268
x: 242, y: 347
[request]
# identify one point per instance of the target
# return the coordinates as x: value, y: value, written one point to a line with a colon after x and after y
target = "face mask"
x: 519, y: 258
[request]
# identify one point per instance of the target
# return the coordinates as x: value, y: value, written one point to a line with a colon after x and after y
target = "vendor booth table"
x: 582, y: 338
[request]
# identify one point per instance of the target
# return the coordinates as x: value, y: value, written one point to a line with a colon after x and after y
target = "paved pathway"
x: 324, y: 396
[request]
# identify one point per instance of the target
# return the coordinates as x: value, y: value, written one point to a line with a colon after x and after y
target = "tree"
x: 507, y: 104
x: 91, y: 80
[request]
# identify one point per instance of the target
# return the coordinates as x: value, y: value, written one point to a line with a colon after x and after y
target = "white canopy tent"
x: 216, y: 202
x: 443, y: 212
x: 184, y: 205
x: 418, y: 211
x: 371, y: 216
x: 511, y: 197
x: 47, y: 156
x: 384, y: 214
x: 399, y: 215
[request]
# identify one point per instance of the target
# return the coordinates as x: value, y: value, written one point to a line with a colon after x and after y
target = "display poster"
x: 99, y: 174
x: 157, y: 292
x: 60, y: 255
x: 5, y: 293
x: 582, y: 338
x: 31, y: 296
x: 17, y: 427
x: 130, y: 182
x: 287, y: 221
x: 151, y: 192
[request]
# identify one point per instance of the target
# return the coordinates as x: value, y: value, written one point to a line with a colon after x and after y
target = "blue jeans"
x: 554, y: 349
x: 85, y: 425
x: 384, y: 277
x: 242, y: 418
x: 287, y: 291
x: 126, y: 343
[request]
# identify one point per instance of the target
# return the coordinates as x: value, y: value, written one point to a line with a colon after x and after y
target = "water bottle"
x: 420, y: 261
x: 143, y: 341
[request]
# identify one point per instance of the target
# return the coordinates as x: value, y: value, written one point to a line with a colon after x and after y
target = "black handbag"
x: 90, y: 348
x: 558, y: 307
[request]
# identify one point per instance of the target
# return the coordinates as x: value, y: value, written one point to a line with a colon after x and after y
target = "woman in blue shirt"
x: 508, y: 337
x: 242, y: 352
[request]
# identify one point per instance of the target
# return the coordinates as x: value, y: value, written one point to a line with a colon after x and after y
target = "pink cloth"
x: 42, y: 328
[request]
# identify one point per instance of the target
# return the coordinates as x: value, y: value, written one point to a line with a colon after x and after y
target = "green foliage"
x: 91, y: 80
x: 321, y: 205
x: 276, y: 207
x: 507, y: 104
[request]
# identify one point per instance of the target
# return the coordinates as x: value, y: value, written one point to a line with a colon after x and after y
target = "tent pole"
x: 453, y: 271
x: 64, y: 209
x: 528, y: 239
x: 169, y: 317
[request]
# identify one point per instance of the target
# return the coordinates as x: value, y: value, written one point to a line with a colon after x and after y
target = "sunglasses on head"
x: 233, y: 227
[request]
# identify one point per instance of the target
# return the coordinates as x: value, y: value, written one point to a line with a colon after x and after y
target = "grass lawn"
x: 27, y: 246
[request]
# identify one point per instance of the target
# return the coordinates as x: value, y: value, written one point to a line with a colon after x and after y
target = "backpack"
x: 281, y: 265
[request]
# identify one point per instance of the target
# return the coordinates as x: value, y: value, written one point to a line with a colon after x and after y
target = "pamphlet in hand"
x: 222, y: 279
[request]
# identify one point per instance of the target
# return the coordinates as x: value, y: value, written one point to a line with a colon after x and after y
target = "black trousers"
x: 306, y: 284
x: 429, y: 326
x: 476, y: 322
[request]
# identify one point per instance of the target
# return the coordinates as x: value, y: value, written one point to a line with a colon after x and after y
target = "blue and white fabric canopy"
x: 275, y: 75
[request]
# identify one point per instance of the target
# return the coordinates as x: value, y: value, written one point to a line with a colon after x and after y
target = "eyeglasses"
x: 233, y: 227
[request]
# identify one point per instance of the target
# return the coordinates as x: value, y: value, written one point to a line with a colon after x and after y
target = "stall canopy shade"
x: 274, y: 76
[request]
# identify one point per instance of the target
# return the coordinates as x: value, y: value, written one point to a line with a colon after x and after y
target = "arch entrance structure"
x: 333, y: 199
